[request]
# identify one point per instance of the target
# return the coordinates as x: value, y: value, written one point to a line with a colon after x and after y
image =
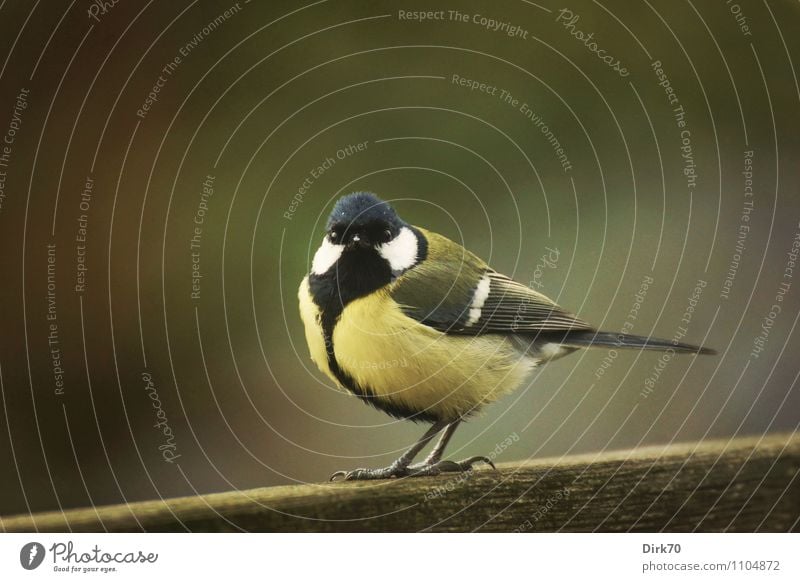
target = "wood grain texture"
x: 744, y: 484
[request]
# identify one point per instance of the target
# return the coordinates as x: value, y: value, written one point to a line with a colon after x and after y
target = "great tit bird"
x: 419, y: 327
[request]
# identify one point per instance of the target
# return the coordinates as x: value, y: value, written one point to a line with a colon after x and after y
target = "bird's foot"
x: 424, y: 469
x: 392, y: 470
x: 427, y: 468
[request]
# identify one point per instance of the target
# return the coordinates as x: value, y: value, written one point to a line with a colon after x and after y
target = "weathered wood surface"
x: 746, y: 484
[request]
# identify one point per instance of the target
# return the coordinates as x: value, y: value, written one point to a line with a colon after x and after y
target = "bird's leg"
x: 436, y: 453
x: 397, y: 469
x: 433, y: 464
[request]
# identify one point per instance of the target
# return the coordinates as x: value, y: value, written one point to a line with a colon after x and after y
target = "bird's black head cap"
x: 366, y: 215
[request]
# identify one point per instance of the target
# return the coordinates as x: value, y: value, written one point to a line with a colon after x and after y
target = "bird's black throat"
x: 357, y: 273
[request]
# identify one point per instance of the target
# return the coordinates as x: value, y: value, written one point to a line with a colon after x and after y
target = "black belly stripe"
x: 365, y: 393
x: 355, y: 275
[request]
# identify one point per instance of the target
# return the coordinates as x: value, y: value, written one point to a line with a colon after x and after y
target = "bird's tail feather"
x: 584, y: 339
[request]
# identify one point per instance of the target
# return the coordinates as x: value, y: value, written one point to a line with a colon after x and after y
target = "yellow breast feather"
x: 417, y: 367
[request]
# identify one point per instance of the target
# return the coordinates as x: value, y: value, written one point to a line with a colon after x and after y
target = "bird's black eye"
x: 387, y: 235
x: 334, y: 235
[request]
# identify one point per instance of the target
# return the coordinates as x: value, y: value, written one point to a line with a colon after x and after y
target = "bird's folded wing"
x: 456, y: 292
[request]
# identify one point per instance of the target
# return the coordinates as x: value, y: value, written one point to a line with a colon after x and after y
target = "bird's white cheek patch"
x: 481, y: 294
x: 401, y: 251
x: 326, y: 256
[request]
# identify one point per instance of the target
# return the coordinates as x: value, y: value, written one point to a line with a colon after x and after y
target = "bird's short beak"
x: 358, y: 241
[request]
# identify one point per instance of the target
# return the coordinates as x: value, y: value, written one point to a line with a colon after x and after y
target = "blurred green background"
x: 263, y: 94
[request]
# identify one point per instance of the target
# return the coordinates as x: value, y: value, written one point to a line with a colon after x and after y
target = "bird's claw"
x: 366, y: 474
x: 338, y: 474
x: 479, y: 459
x: 449, y: 466
x: 418, y: 470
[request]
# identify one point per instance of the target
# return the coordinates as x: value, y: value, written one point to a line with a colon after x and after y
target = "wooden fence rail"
x: 744, y: 484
